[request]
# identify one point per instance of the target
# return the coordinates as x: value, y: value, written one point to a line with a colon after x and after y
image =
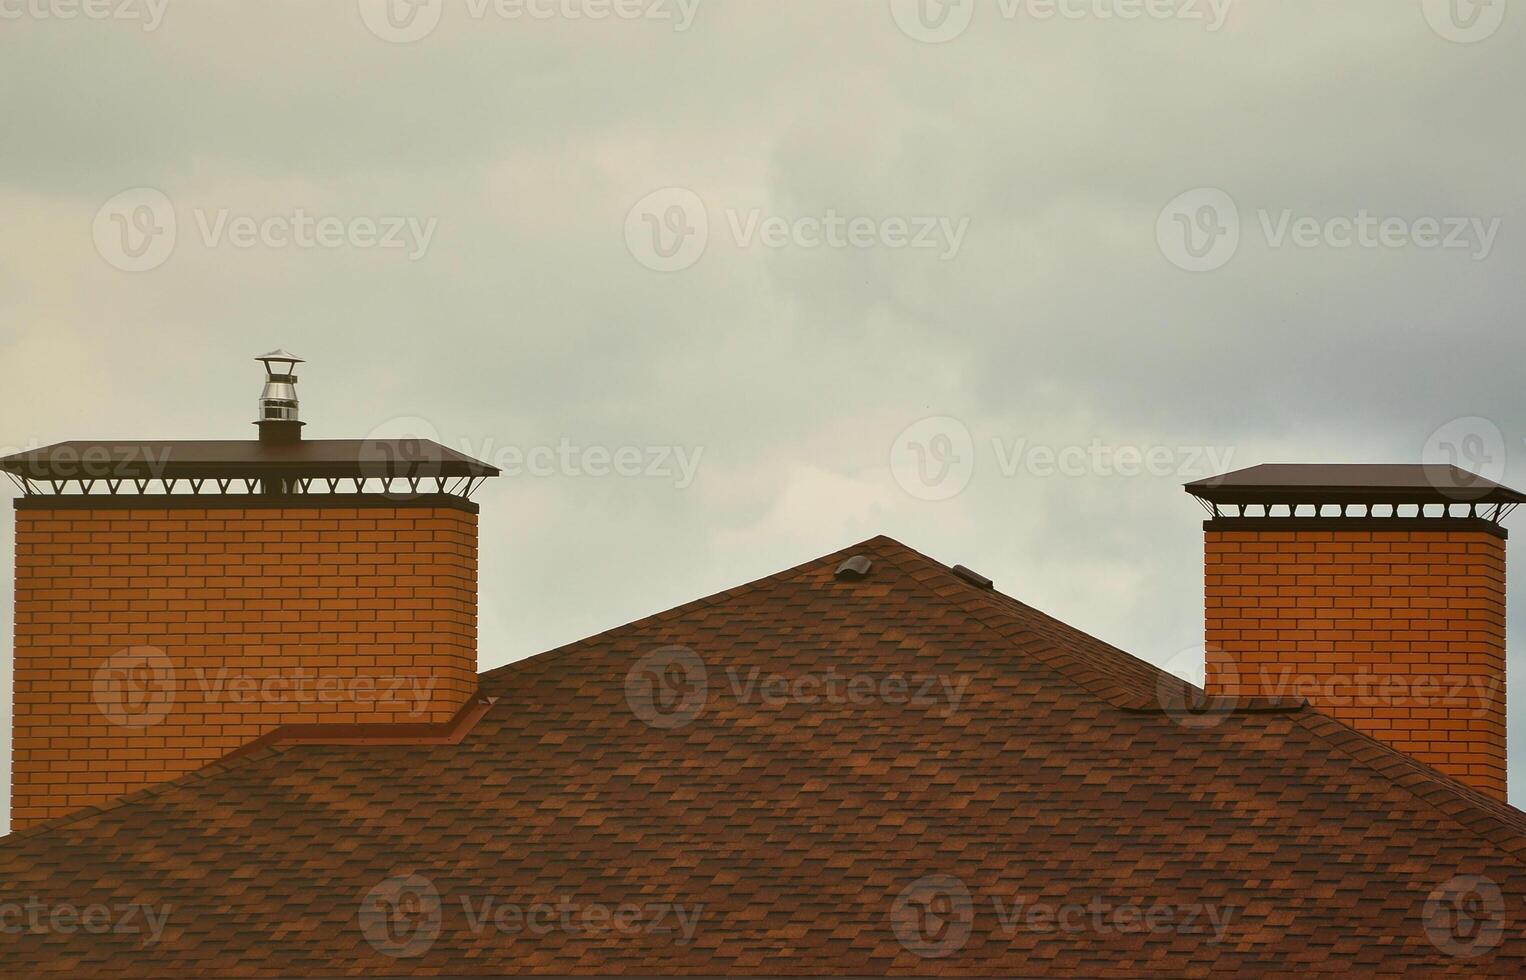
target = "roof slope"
x: 901, y: 775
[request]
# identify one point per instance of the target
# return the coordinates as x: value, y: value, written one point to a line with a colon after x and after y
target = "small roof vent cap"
x: 973, y: 577
x: 854, y: 569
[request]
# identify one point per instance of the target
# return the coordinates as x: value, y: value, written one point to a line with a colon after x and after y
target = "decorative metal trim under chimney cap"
x: 399, y: 467
x: 1424, y: 492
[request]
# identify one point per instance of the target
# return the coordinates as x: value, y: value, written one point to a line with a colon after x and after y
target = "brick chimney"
x: 176, y: 601
x: 1375, y: 592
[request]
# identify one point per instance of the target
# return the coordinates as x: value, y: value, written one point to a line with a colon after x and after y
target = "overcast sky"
x: 821, y: 270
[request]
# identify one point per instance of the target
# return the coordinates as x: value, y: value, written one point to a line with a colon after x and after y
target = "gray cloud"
x: 528, y: 321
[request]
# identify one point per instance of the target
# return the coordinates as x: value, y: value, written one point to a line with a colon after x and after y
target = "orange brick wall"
x: 150, y: 642
x: 1399, y: 634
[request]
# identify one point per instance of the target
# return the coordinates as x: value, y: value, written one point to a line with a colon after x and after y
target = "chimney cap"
x: 230, y: 459
x: 1354, y: 483
x: 279, y: 354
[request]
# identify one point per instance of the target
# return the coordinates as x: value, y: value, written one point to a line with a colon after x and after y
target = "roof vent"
x: 854, y: 569
x: 279, y: 420
x: 974, y: 578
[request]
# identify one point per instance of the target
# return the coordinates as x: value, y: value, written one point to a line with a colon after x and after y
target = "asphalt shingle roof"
x: 904, y: 775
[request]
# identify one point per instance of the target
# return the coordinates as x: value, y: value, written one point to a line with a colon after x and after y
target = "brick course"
x: 152, y: 641
x: 1399, y: 634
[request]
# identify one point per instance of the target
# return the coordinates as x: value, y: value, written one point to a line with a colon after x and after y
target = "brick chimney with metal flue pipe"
x: 1375, y: 592
x: 177, y: 601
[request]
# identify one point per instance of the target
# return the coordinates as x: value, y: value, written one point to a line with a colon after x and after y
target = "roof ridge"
x: 1499, y: 823
x: 994, y: 610
x: 675, y: 612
